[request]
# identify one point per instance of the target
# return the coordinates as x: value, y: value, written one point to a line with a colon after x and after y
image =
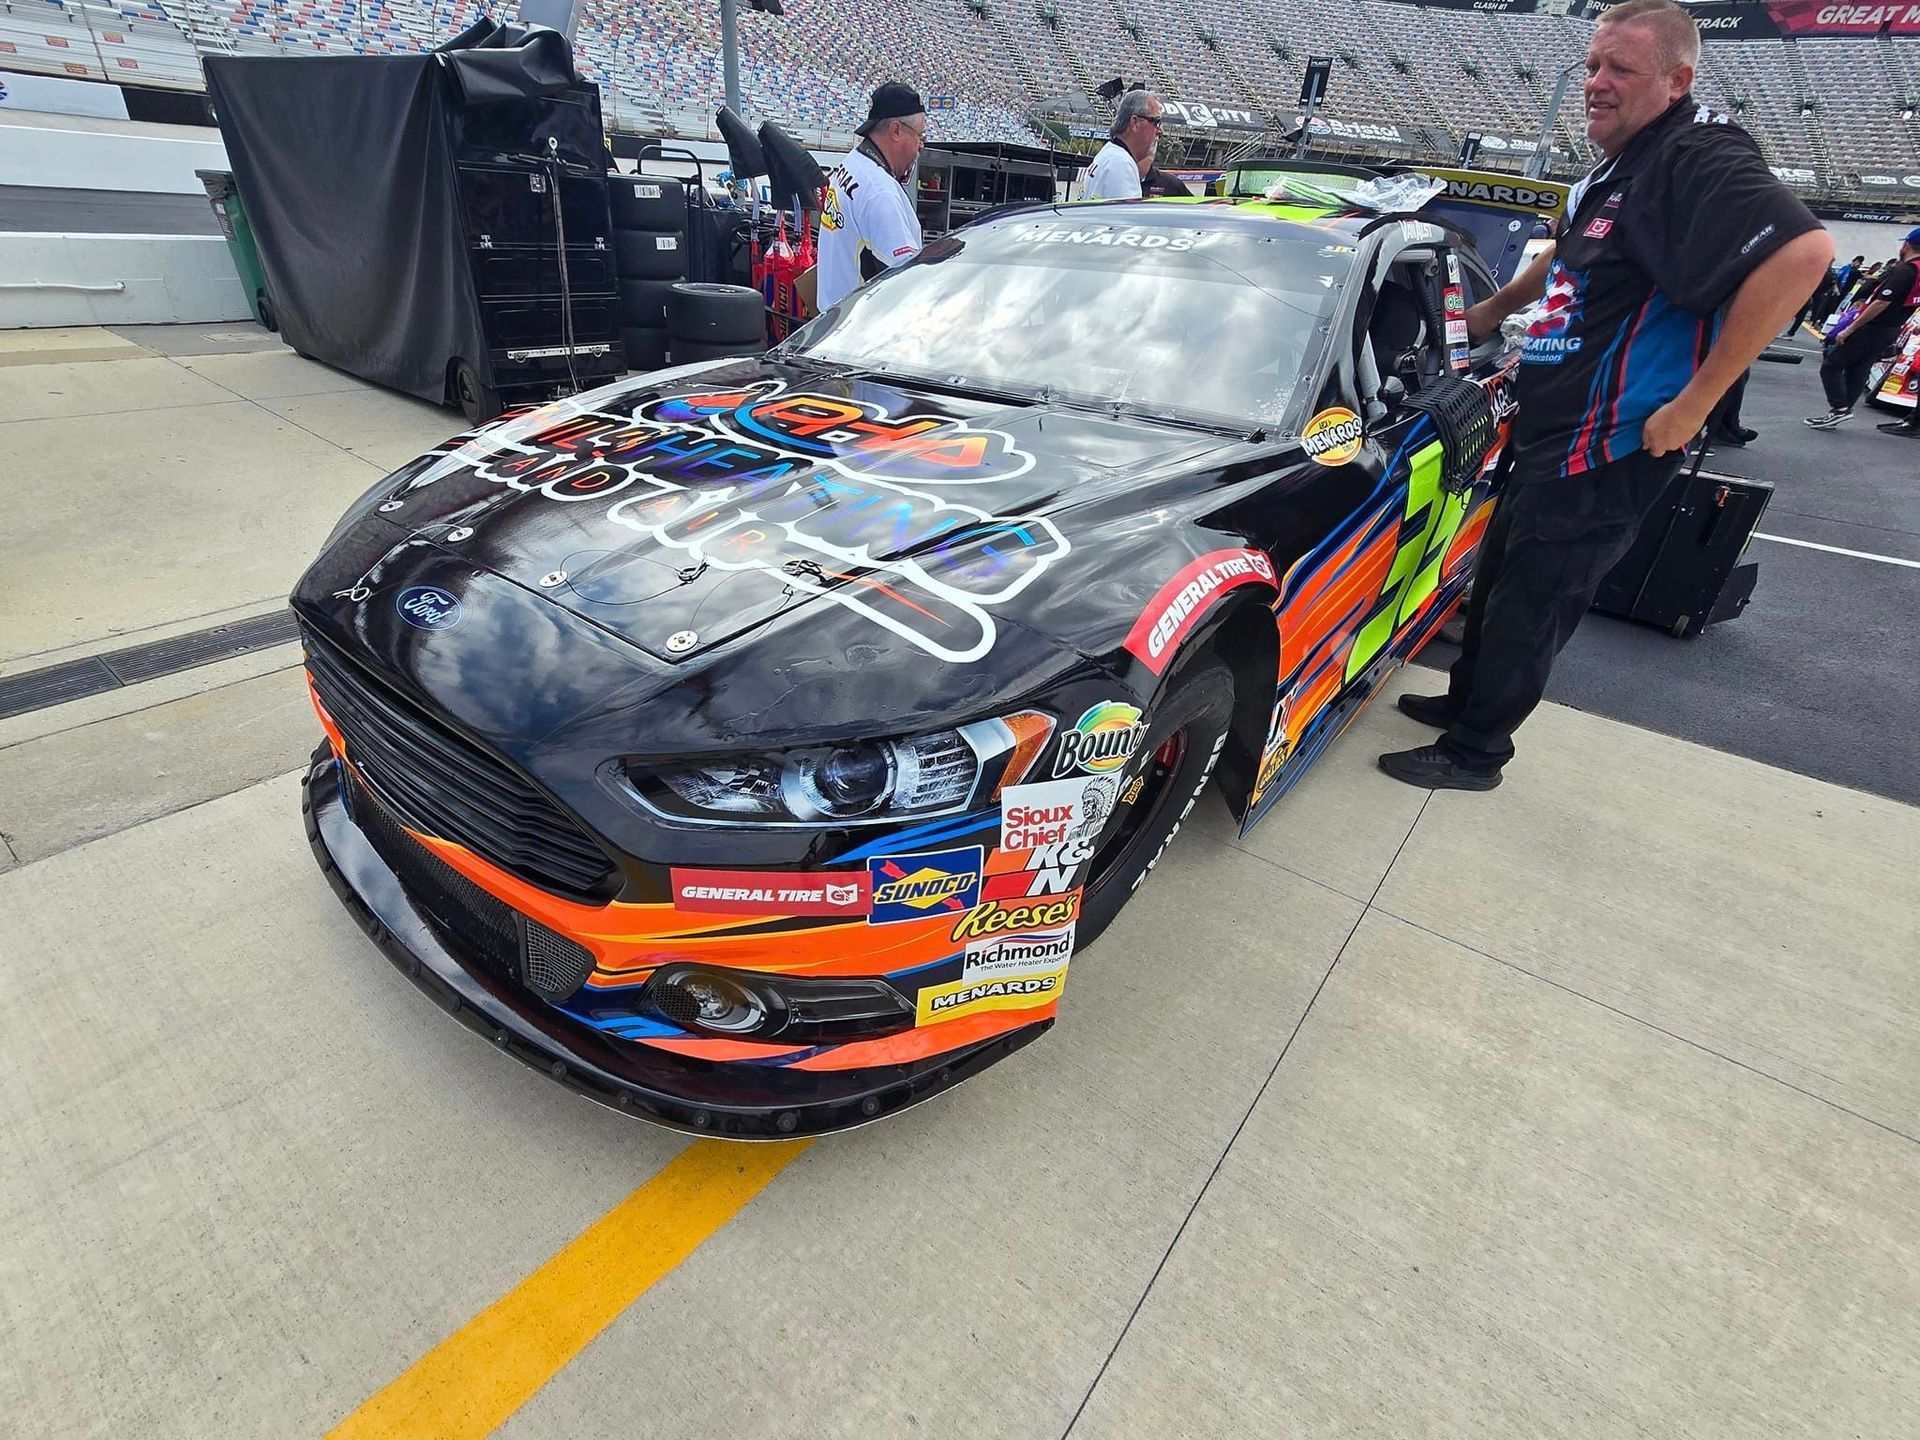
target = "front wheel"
x: 1182, y: 745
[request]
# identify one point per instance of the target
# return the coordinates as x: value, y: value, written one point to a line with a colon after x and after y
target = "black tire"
x: 685, y: 352
x: 268, y: 320
x: 647, y: 202
x: 478, y: 401
x: 1181, y: 747
x: 650, y: 254
x: 646, y: 348
x: 717, y: 314
x: 643, y: 303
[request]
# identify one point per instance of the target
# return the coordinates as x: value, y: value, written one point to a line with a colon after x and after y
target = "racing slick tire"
x: 1182, y: 745
x: 643, y: 303
x: 646, y: 348
x: 647, y: 202
x: 685, y: 352
x: 717, y: 314
x: 1876, y: 377
x: 650, y: 254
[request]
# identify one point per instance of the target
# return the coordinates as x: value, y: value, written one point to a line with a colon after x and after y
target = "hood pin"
x: 460, y: 532
x: 390, y: 505
x: 681, y: 641
x: 552, y: 578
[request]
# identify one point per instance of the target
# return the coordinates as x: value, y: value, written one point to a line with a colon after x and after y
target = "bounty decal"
x: 1334, y: 436
x: 1055, y: 811
x: 1018, y: 955
x: 1102, y: 740
x: 925, y: 568
x: 976, y: 997
x: 1177, y: 606
x: 914, y: 887
x: 843, y: 894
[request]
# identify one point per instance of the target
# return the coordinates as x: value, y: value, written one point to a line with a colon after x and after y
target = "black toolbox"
x: 1684, y: 570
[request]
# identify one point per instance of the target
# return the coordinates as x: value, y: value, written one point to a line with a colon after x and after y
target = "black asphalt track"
x: 1821, y: 675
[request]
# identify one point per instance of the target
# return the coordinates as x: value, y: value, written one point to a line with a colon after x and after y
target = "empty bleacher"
x: 1831, y: 109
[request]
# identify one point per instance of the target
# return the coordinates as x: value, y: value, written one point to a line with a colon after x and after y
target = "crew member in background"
x: 1680, y: 258
x: 867, y: 220
x: 1843, y: 373
x: 1135, y: 135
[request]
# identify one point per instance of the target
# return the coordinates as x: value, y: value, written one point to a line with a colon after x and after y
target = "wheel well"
x: 452, y: 393
x: 1248, y: 641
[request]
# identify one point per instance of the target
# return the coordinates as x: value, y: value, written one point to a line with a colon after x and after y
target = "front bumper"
x: 700, y: 1097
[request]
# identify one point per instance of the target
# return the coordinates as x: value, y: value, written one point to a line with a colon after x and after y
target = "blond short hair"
x: 1676, y: 38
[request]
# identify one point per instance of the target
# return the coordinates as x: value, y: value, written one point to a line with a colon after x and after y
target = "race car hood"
x: 679, y: 516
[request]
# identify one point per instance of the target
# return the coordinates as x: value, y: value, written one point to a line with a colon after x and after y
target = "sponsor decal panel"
x: 1101, y: 741
x: 1018, y: 955
x: 1334, y: 436
x: 976, y: 997
x: 1044, y: 870
x: 840, y: 893
x: 1055, y: 811
x: 1178, y: 605
x: 929, y: 883
x: 1013, y: 917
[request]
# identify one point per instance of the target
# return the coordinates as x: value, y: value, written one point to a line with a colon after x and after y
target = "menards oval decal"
x: 1333, y: 437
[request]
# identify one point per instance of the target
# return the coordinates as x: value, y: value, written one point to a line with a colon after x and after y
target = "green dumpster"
x: 225, y: 196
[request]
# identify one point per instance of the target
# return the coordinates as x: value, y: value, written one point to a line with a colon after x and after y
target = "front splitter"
x: 728, y: 1101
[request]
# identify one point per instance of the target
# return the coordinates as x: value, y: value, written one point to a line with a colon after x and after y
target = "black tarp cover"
x: 345, y: 165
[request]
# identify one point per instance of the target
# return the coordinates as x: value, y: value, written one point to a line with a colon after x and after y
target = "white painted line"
x: 1837, y: 550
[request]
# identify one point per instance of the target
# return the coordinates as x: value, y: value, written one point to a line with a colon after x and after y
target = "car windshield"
x: 1221, y: 320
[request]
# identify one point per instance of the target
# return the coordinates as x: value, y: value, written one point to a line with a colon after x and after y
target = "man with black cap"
x: 867, y: 222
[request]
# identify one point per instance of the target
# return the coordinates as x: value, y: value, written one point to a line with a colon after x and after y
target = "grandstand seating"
x: 1830, y: 108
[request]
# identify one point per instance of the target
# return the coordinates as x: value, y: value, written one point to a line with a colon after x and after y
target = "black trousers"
x: 1729, y: 416
x: 1551, y: 542
x: 1843, y: 374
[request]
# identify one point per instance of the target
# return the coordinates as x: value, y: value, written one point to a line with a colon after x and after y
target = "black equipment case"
x: 435, y: 223
x: 1684, y: 571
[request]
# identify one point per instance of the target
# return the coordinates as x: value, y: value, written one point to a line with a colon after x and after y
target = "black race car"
x: 753, y: 745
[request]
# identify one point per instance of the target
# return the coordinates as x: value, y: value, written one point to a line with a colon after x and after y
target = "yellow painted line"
x: 471, y: 1382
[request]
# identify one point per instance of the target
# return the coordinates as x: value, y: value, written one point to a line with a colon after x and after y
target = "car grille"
x: 443, y: 784
x: 489, y: 932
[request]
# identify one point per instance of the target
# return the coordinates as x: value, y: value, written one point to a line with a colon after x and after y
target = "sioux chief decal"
x: 838, y: 497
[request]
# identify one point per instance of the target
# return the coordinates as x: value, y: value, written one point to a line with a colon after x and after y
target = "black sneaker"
x: 1434, y: 769
x: 1908, y: 428
x: 1829, y: 420
x: 1434, y: 710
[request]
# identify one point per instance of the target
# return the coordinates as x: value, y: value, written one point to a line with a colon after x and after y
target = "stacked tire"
x: 710, y: 322
x: 650, y: 251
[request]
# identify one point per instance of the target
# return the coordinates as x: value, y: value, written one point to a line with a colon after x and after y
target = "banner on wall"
x: 51, y: 95
x: 1733, y: 20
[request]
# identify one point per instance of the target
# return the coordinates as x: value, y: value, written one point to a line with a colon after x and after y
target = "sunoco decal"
x: 1178, y: 605
x: 1102, y: 740
x: 1334, y: 436
x: 915, y: 887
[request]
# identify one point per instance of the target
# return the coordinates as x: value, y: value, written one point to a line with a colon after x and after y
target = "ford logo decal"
x: 427, y: 608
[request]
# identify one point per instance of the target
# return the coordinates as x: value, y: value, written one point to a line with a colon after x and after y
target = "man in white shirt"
x: 867, y: 221
x: 1116, y: 170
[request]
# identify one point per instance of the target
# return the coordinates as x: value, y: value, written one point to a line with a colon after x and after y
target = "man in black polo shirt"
x: 1680, y: 257
x: 1894, y: 297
